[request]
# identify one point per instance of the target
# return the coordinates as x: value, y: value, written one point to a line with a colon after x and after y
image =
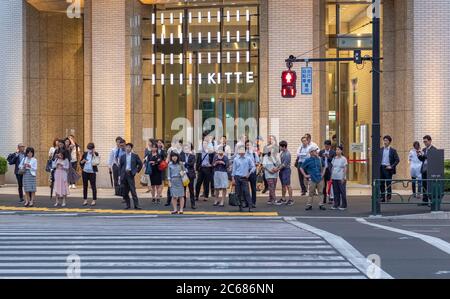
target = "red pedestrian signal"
x: 288, y: 84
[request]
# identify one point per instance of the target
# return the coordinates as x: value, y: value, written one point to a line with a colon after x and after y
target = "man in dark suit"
x: 129, y: 165
x: 205, y: 170
x: 188, y: 158
x: 423, y: 156
x: 388, y: 167
x: 15, y: 159
x: 326, y: 155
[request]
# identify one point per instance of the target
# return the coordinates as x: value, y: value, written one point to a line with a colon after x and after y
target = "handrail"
x: 435, y: 191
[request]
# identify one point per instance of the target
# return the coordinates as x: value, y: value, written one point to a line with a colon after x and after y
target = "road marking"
x: 342, y: 246
x: 162, y: 252
x: 55, y: 215
x: 140, y: 212
x: 158, y: 241
x: 225, y: 248
x: 433, y: 241
x: 198, y: 277
x: 160, y: 271
x: 149, y: 258
x: 442, y: 272
x: 426, y: 225
x: 177, y: 264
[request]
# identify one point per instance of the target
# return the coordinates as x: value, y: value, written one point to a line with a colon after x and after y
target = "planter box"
x: 2, y: 179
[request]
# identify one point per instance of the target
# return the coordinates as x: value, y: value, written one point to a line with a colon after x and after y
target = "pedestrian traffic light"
x: 288, y: 84
x: 357, y: 58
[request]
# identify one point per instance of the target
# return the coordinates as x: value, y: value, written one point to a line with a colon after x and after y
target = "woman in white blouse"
x: 28, y: 167
x: 415, y: 166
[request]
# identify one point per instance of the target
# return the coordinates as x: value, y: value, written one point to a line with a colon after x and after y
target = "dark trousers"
x: 340, y: 194
x: 266, y: 184
x: 19, y: 178
x: 169, y: 196
x: 252, y: 180
x: 386, y: 174
x: 115, y: 173
x: 128, y: 186
x: 326, y: 178
x: 90, y: 178
x: 242, y: 190
x: 301, y: 178
x: 191, y: 193
x: 417, y: 183
x: 204, y: 177
x: 425, y: 187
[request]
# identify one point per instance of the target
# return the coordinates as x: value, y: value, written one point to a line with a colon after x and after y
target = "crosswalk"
x: 93, y: 247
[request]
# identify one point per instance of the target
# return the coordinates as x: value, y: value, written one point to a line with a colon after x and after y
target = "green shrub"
x: 447, y: 175
x: 3, y: 165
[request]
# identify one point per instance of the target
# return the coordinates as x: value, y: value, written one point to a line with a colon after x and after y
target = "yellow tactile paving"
x: 134, y: 212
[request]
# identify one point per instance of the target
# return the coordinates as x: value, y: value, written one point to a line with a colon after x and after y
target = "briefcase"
x: 233, y: 199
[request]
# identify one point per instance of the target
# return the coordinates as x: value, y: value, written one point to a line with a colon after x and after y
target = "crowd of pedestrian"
x: 211, y: 171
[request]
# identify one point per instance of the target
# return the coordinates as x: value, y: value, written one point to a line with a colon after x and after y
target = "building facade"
x: 144, y: 69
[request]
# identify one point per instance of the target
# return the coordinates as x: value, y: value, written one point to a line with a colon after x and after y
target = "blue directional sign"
x: 307, y: 80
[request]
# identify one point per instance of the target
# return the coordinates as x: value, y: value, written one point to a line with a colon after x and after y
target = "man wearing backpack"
x: 15, y: 159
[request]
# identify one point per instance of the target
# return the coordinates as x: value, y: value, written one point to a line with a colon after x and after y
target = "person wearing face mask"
x: 89, y: 164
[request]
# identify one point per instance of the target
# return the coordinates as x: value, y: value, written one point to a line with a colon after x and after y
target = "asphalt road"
x: 38, y: 245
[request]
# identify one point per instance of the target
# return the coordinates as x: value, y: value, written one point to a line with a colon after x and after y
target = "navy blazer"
x: 394, y: 159
x: 136, y: 165
x: 190, y: 165
x: 200, y: 160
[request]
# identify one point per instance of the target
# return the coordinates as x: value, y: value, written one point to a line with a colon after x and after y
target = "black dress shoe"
x: 308, y: 208
x: 137, y: 208
x: 21, y: 200
x: 167, y: 204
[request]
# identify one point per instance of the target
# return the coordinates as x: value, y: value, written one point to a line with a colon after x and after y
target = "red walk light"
x: 288, y: 84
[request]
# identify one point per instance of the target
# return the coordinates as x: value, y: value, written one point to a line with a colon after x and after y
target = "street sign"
x: 357, y: 148
x: 306, y: 80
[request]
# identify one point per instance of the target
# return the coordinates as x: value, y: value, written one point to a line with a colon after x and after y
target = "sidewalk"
x: 358, y: 205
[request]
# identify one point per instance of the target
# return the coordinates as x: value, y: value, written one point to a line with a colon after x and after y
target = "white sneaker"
x: 342, y: 209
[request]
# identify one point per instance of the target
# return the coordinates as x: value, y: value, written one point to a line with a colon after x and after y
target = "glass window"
x: 213, y: 67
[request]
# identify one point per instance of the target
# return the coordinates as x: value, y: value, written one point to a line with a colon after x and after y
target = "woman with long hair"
x: 61, y: 166
x: 74, y: 150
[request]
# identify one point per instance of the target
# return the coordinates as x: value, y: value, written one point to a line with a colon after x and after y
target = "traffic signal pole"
x: 376, y: 130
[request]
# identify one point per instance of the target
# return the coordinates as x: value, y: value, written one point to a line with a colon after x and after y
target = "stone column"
x: 11, y: 77
x: 108, y: 78
x: 431, y: 72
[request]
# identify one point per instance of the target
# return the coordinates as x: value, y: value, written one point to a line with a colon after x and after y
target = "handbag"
x: 162, y: 165
x: 22, y: 169
x: 185, y: 178
x: 73, y: 176
x: 148, y: 168
x: 95, y: 160
x: 233, y: 199
x: 49, y: 165
x: 144, y: 180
